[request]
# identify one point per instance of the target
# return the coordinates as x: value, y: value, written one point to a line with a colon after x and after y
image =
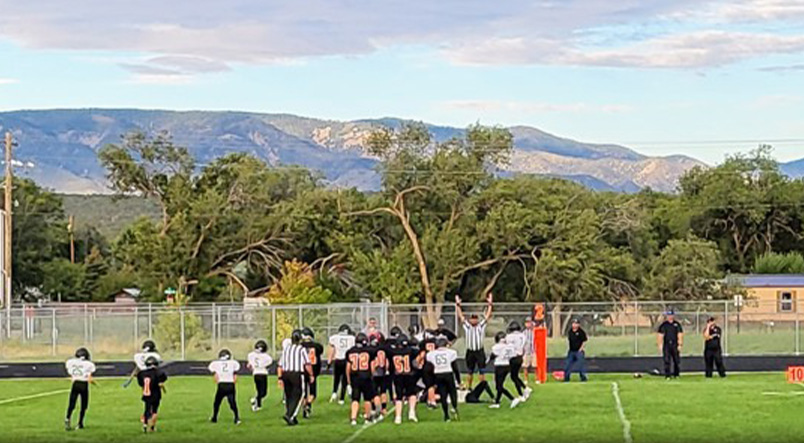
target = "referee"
x: 475, y: 331
x: 294, y: 362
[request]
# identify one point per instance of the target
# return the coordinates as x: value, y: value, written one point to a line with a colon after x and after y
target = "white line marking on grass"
x: 784, y: 394
x: 357, y: 433
x: 31, y: 397
x: 615, y: 391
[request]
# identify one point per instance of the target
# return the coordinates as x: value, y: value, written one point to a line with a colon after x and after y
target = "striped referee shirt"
x: 294, y: 358
x: 475, y: 335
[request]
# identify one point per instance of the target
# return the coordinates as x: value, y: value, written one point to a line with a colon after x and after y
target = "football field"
x: 609, y: 408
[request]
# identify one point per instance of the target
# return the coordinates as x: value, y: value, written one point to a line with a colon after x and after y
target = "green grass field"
x: 743, y: 407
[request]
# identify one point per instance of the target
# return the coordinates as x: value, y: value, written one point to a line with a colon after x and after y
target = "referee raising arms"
x: 294, y: 362
x: 475, y: 329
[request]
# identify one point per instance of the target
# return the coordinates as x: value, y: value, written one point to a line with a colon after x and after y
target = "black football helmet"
x: 442, y: 342
x: 403, y: 341
x: 151, y: 362
x: 413, y: 330
x: 396, y: 331
x: 307, y: 334
x: 82, y: 353
x: 148, y: 346
x: 225, y: 354
x: 514, y: 326
x: 361, y: 339
x: 261, y: 346
x: 296, y: 337
x: 344, y: 328
x: 500, y: 336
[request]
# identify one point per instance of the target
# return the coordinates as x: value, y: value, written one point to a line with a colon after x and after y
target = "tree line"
x: 446, y: 220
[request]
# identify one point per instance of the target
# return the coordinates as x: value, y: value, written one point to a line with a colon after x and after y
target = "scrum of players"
x: 375, y: 371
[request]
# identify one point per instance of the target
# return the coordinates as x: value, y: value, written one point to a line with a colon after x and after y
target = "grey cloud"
x: 143, y: 69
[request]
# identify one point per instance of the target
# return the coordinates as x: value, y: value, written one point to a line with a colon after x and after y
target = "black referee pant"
x: 714, y: 357
x: 516, y: 368
x: 445, y: 385
x: 672, y: 360
x: 293, y: 383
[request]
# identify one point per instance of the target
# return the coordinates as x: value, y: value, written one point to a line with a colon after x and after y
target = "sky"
x: 704, y: 78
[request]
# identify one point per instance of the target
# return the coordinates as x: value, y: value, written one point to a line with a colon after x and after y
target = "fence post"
x: 92, y: 327
x: 24, y: 324
x: 273, y: 329
x: 301, y: 317
x: 181, y: 313
x: 214, y: 326
x: 636, y: 328
x: 86, y: 324
x: 136, y: 326
x: 53, y: 331
x: 726, y: 329
x: 798, y: 332
x: 150, y: 321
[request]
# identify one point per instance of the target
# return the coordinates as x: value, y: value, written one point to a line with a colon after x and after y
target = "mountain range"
x: 58, y: 148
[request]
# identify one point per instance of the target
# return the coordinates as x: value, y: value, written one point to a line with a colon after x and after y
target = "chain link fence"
x: 198, y: 331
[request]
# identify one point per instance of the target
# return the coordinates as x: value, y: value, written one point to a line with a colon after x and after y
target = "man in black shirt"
x: 713, y: 354
x: 670, y: 339
x: 577, y: 342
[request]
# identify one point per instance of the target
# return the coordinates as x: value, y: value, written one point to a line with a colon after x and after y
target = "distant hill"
x: 58, y: 148
x: 794, y: 168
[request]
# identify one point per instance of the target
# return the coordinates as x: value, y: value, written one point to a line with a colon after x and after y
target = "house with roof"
x: 770, y: 293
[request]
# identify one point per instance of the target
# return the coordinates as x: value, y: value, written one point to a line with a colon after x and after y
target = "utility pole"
x: 7, y: 225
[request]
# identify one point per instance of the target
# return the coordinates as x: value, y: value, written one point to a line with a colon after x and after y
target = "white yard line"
x: 615, y: 391
x: 31, y: 397
x: 784, y: 394
x: 357, y: 433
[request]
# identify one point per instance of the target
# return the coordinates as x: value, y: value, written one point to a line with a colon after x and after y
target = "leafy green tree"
x: 427, y: 191
x: 778, y: 263
x: 745, y: 205
x: 65, y: 281
x: 686, y: 270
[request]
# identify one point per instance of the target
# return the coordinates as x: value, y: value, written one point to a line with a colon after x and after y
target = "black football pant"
x: 446, y: 388
x: 294, y: 390
x: 227, y: 391
x: 340, y: 378
x: 672, y: 361
x: 79, y: 389
x: 516, y: 374
x: 500, y: 374
x: 714, y: 358
x: 261, y: 383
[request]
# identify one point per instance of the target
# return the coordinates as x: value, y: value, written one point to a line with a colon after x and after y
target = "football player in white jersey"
x: 516, y: 338
x: 447, y: 376
x: 339, y: 345
x: 258, y: 362
x: 225, y: 369
x: 501, y: 355
x: 148, y: 351
x: 80, y: 370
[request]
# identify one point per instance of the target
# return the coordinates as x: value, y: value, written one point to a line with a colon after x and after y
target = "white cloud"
x: 8, y: 81
x: 697, y: 49
x: 184, y: 38
x: 533, y: 107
